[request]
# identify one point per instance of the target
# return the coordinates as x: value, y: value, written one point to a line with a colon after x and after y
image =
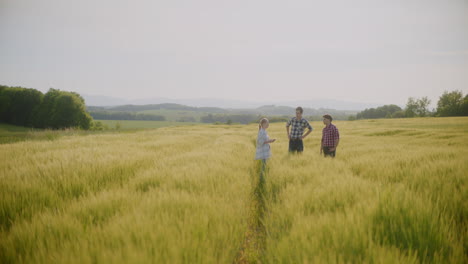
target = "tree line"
x: 31, y: 108
x: 228, y: 119
x: 60, y: 109
x: 449, y: 104
x: 107, y: 115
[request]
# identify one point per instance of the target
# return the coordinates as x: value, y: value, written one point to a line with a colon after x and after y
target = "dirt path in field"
x: 254, y: 244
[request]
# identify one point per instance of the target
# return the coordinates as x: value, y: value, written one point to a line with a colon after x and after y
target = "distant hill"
x: 178, y: 112
x: 167, y: 106
x: 92, y: 100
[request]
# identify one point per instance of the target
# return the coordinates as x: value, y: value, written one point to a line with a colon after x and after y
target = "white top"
x: 263, y: 150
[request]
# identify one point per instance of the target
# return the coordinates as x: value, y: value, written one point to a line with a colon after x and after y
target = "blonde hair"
x: 263, y: 120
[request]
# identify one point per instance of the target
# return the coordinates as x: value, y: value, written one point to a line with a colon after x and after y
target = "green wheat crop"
x: 396, y: 193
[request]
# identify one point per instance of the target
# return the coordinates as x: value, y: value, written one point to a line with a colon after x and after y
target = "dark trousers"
x: 296, y: 145
x: 327, y: 152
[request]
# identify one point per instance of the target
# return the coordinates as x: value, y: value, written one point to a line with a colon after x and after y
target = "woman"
x: 263, y: 141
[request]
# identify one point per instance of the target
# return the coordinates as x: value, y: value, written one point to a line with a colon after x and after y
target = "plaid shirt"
x: 330, y: 135
x: 298, y: 127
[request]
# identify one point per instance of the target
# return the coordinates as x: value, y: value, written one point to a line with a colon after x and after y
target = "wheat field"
x: 396, y: 193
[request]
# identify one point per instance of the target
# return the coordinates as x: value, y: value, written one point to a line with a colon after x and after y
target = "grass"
x: 396, y: 193
x: 11, y: 134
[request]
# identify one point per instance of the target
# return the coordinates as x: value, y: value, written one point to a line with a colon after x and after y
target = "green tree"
x: 56, y: 109
x: 385, y: 111
x: 44, y: 115
x: 451, y: 104
x: 18, y: 105
x: 423, y: 105
x: 411, y: 107
x: 417, y: 107
x: 464, y: 107
x: 399, y: 114
x: 69, y: 111
x: 63, y: 109
x: 5, y: 102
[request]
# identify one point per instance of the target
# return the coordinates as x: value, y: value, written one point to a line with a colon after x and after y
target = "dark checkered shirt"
x: 330, y: 135
x: 298, y: 127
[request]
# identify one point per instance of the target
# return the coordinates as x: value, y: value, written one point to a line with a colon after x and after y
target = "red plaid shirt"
x: 330, y: 135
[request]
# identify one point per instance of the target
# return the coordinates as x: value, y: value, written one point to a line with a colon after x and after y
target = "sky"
x: 369, y: 51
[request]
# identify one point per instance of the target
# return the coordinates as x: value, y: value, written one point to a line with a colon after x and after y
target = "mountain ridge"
x: 106, y: 101
x: 272, y: 110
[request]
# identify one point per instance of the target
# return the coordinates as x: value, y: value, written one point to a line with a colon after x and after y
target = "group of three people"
x: 329, y: 143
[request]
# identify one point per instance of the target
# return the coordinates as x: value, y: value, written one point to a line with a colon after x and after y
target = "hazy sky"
x: 361, y: 50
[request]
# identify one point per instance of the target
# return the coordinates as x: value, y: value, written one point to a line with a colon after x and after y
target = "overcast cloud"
x: 360, y: 51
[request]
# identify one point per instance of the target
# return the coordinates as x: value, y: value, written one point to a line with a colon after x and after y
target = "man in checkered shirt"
x: 330, y: 137
x: 296, y: 136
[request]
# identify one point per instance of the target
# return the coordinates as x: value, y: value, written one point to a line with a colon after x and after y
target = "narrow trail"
x: 254, y: 245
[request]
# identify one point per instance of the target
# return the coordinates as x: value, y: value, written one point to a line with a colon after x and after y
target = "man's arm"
x: 336, y: 135
x: 308, y: 132
x: 287, y: 131
x: 309, y: 127
x: 336, y: 145
x: 321, y: 145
